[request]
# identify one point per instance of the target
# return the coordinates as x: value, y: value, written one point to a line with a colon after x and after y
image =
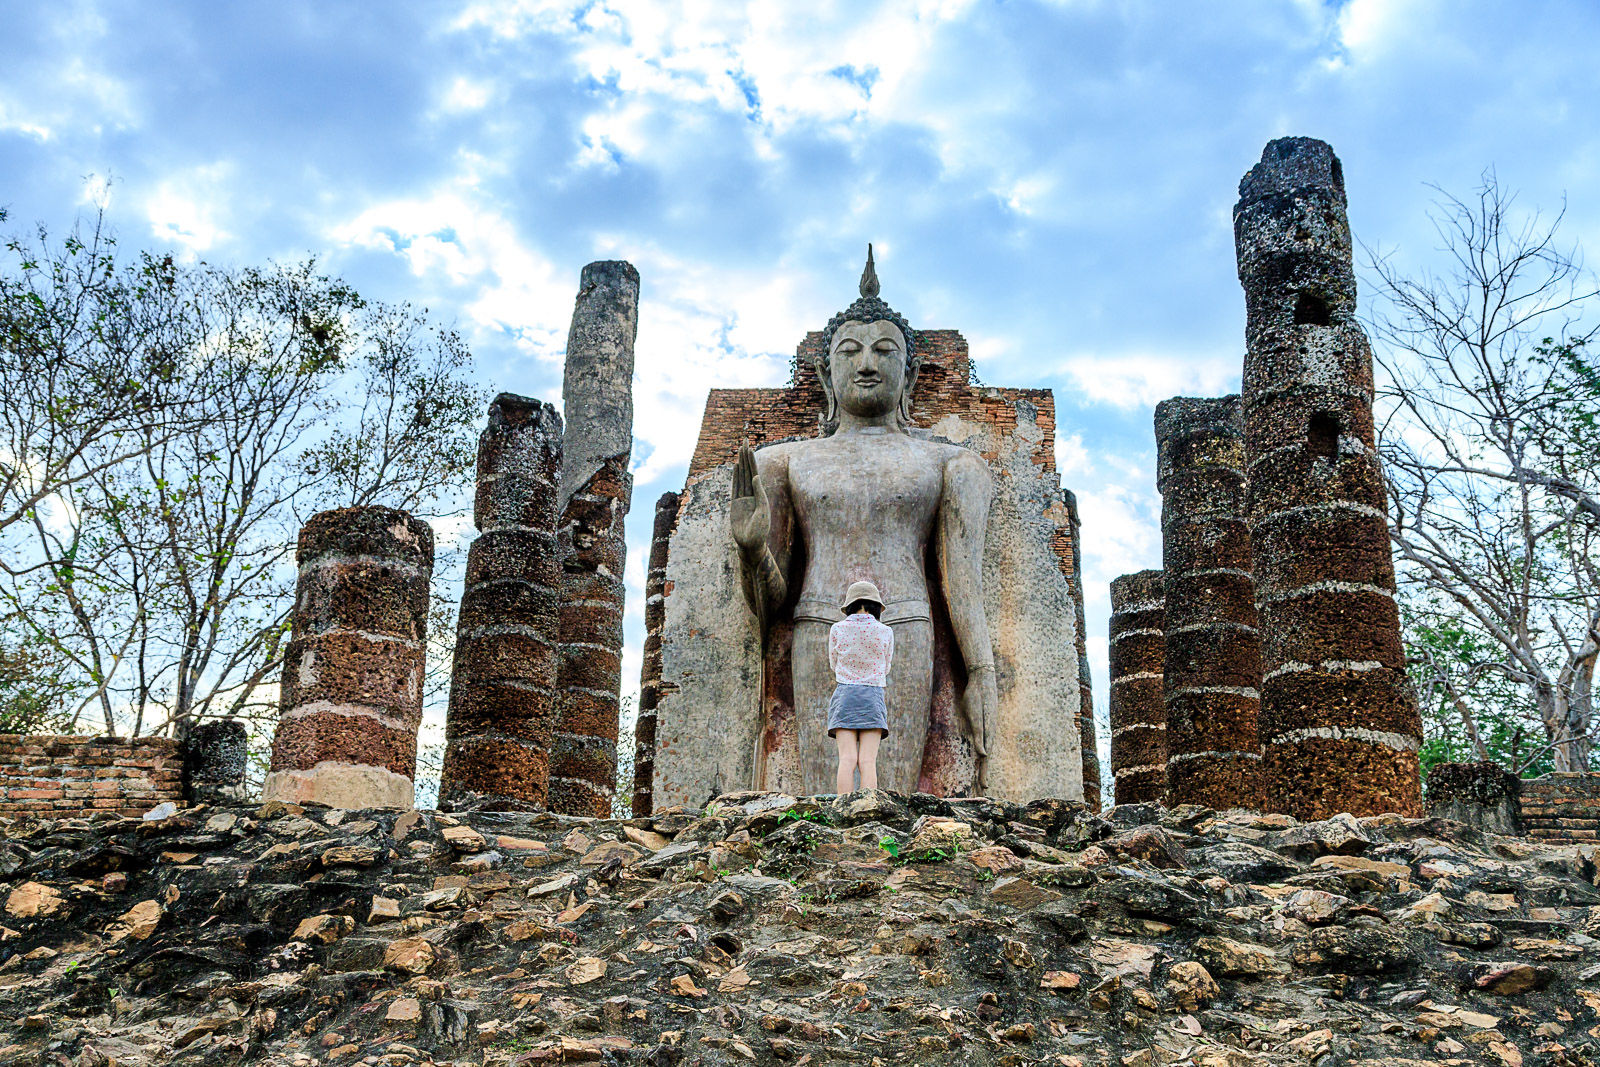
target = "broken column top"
x: 597, y: 383
x: 1183, y: 418
x: 511, y: 411
x: 1133, y: 592
x: 367, y: 531
x: 1182, y: 415
x: 1292, y: 164
x: 1291, y: 232
x: 609, y: 272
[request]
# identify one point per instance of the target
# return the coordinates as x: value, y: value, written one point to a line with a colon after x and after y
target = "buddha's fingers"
x: 742, y: 482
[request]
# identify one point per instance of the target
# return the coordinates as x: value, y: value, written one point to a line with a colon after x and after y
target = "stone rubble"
x: 869, y: 929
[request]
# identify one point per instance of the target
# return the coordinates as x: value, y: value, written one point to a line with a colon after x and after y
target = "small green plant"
x: 985, y: 874
x: 890, y: 846
x: 790, y: 815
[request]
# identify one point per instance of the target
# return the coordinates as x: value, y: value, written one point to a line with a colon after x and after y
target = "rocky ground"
x: 870, y: 929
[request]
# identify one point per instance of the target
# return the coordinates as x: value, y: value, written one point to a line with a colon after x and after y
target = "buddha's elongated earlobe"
x: 913, y: 366
x: 830, y: 402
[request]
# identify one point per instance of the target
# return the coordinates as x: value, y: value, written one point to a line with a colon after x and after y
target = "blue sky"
x: 1052, y: 179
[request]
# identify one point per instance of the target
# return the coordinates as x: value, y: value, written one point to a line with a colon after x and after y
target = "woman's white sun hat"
x: 861, y: 591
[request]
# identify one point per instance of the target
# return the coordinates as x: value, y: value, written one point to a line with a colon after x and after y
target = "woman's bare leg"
x: 845, y: 777
x: 867, y: 758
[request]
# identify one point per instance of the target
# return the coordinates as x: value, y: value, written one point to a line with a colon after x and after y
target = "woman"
x: 859, y: 651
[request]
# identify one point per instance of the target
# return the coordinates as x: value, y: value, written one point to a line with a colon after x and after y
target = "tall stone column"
x: 1212, y: 672
x: 1138, y: 713
x: 1339, y: 722
x: 596, y: 489
x: 1086, y: 728
x: 351, y: 694
x: 503, y: 682
x: 655, y: 616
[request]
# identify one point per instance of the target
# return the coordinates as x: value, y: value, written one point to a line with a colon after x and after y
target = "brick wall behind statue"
x: 761, y: 416
x: 59, y: 777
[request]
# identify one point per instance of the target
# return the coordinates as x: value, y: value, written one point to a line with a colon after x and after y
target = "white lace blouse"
x: 859, y: 650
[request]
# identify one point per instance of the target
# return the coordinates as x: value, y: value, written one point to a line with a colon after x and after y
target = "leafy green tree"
x: 32, y: 691
x: 164, y: 575
x: 90, y: 381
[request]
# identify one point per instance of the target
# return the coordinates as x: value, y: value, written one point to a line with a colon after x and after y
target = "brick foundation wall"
x: 59, y: 777
x: 1562, y: 807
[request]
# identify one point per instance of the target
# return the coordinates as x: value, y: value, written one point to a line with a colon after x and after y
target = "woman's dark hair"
x: 875, y: 609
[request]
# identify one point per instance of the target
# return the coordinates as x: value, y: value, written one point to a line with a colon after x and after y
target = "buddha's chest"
x: 872, y: 481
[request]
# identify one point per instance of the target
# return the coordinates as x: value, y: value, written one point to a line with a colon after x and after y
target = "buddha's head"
x: 868, y: 366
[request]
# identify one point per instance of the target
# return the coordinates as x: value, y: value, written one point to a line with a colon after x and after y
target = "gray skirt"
x: 858, y: 707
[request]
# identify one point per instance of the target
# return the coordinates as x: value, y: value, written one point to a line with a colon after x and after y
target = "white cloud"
x: 466, y: 94
x: 12, y: 118
x: 1369, y: 28
x: 188, y: 207
x: 1140, y: 380
x: 1071, y: 456
x: 1121, y: 525
x: 452, y: 531
x: 456, y: 237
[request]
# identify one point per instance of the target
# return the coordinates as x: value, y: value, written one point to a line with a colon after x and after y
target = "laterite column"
x: 596, y: 489
x: 1212, y: 672
x: 1086, y: 727
x: 655, y: 616
x: 1339, y: 723
x: 351, y: 694
x: 1138, y: 713
x: 503, y: 684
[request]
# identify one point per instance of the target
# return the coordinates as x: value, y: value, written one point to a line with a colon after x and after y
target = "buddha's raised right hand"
x: 751, y: 520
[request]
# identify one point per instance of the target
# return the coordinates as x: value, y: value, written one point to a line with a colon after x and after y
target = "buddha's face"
x: 868, y: 367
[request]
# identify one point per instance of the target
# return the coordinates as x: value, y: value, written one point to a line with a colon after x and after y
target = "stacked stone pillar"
x: 1212, y: 672
x: 655, y: 616
x: 596, y: 489
x: 1339, y: 722
x: 503, y: 684
x: 351, y: 694
x: 1138, y: 712
x: 1086, y: 728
